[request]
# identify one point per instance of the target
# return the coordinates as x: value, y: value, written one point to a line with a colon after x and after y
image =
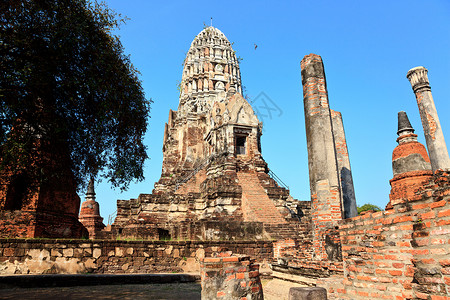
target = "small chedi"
x: 410, y: 163
x: 90, y: 213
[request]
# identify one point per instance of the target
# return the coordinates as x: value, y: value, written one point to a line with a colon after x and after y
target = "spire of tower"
x: 90, y: 193
x: 404, y: 124
x: 210, y: 70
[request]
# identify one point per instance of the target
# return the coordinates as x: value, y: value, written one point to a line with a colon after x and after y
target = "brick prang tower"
x: 214, y: 181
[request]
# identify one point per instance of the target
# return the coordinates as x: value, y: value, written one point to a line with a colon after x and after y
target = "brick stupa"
x: 90, y: 213
x: 410, y: 163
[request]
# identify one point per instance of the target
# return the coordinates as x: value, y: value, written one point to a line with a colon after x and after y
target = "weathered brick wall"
x: 377, y: 256
x: 230, y: 278
x: 402, y: 253
x: 326, y: 212
x: 29, y: 224
x: 296, y: 257
x: 193, y: 184
x: 49, y: 209
x: 17, y: 223
x: 322, y: 163
x: 41, y: 256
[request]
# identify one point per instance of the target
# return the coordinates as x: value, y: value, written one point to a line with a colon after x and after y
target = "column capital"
x: 419, y: 79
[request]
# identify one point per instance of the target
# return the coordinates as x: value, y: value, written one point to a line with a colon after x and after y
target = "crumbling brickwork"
x: 45, y: 207
x: 329, y: 166
x: 348, y: 198
x: 230, y: 277
x: 400, y: 253
x: 20, y: 256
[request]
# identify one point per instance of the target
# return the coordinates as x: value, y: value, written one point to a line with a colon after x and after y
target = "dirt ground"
x: 166, y: 291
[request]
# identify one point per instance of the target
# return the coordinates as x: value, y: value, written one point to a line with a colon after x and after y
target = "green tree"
x: 65, y: 80
x: 367, y: 207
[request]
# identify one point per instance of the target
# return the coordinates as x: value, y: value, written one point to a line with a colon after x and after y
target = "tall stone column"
x: 437, y: 149
x: 344, y: 170
x: 323, y: 170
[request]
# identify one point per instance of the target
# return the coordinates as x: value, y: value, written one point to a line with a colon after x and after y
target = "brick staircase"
x: 256, y: 205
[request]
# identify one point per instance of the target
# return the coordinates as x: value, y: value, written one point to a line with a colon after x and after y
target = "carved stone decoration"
x: 226, y: 116
x: 218, y: 68
x: 202, y: 64
x: 219, y: 86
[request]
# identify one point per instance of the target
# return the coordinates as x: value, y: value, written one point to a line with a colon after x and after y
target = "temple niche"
x: 214, y: 182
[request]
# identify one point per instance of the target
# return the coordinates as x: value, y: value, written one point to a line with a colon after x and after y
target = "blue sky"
x: 367, y: 48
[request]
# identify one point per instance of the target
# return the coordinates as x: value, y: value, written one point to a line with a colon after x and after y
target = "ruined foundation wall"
x: 29, y: 256
x: 403, y: 252
x: 400, y: 253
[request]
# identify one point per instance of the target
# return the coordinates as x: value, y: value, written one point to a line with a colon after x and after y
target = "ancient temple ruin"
x: 225, y: 213
x: 214, y: 182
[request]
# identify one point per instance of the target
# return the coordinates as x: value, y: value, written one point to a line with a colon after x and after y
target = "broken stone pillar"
x: 437, y: 149
x: 323, y: 169
x: 307, y: 293
x: 343, y: 161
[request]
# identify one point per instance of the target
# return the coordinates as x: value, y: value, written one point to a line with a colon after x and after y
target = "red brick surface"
x: 406, y: 149
x: 402, y: 253
x: 230, y: 277
x: 47, y: 208
x: 256, y: 205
